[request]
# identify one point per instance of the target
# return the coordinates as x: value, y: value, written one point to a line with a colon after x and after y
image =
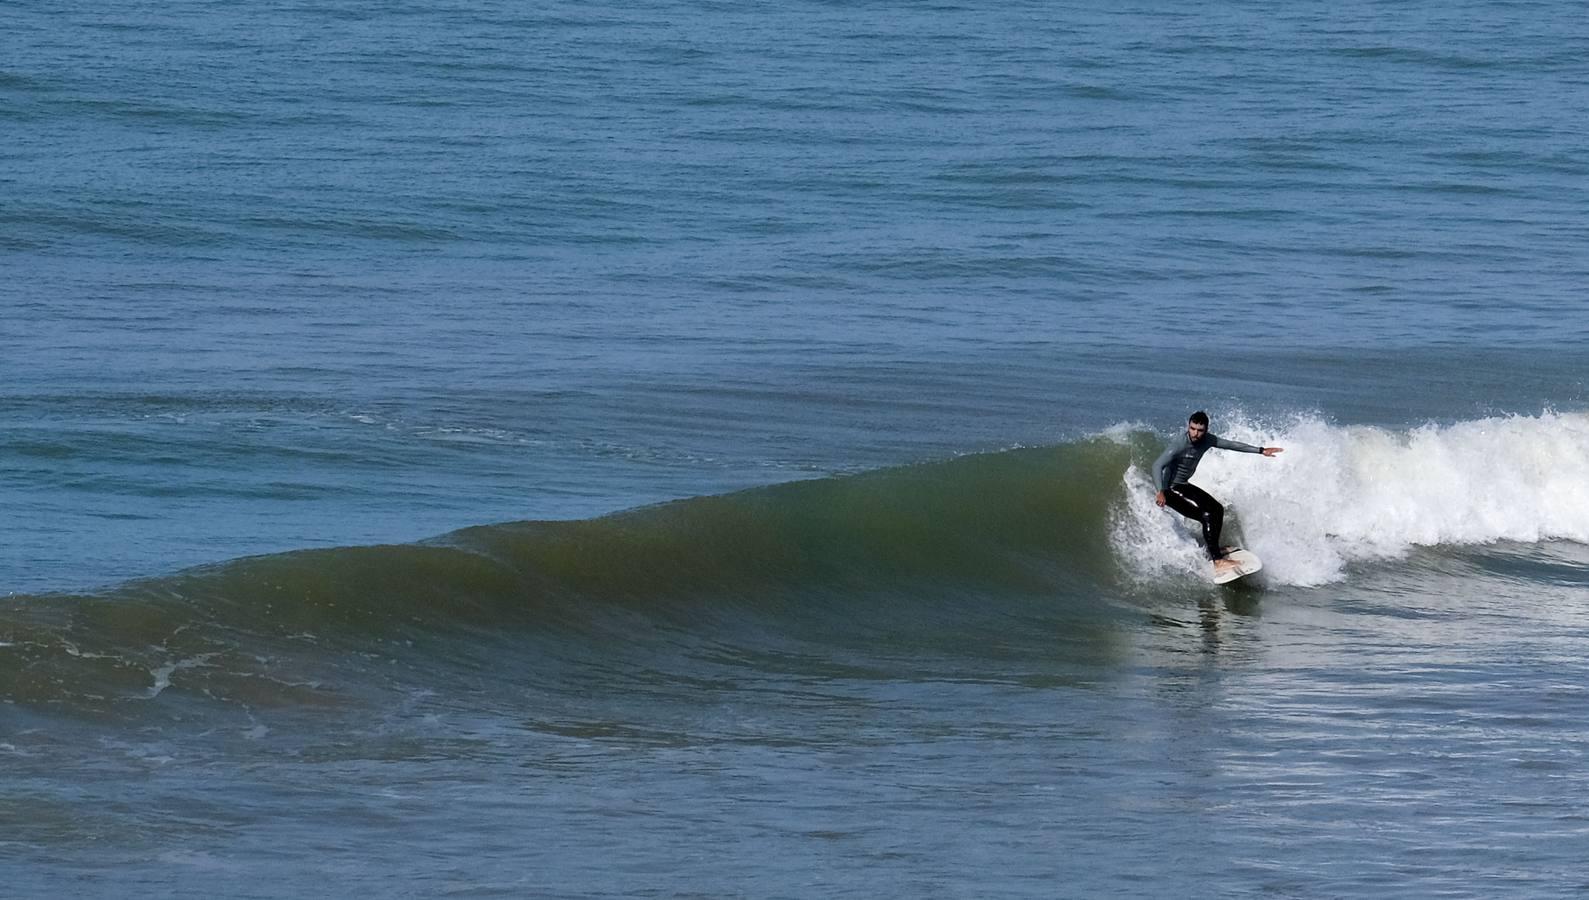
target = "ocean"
x: 701, y: 449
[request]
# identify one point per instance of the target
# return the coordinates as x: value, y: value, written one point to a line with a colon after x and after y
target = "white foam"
x: 161, y: 675
x: 1123, y: 432
x: 1340, y: 495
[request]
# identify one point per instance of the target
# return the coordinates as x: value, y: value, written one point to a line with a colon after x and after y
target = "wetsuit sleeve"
x: 1224, y: 444
x: 1163, y: 469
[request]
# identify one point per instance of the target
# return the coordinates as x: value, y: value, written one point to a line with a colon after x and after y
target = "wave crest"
x: 1341, y: 495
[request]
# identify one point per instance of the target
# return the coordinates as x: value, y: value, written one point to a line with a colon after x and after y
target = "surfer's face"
x: 1196, y: 431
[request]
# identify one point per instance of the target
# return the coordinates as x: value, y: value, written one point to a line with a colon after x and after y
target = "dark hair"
x: 1198, y: 418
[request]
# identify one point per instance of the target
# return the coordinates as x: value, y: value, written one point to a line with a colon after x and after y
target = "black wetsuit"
x: 1173, y: 471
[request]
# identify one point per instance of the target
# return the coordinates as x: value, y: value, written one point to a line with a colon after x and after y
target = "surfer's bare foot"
x: 1224, y: 565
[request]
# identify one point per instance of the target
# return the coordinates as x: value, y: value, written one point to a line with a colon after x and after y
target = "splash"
x: 1342, y: 495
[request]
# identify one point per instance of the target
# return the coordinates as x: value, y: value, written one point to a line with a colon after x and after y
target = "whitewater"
x: 1344, y: 495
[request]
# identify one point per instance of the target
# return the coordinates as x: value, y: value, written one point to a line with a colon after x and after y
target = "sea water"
x: 701, y: 449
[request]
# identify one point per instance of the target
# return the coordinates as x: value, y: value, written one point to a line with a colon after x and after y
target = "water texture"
x: 700, y: 449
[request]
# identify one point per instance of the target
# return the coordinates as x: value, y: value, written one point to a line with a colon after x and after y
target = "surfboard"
x: 1247, y: 562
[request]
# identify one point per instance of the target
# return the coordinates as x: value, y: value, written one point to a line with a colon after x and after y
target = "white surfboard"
x: 1246, y: 563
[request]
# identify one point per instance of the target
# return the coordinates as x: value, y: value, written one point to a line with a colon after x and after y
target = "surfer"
x: 1173, y: 472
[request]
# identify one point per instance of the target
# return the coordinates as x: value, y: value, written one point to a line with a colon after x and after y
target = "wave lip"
x: 1343, y: 495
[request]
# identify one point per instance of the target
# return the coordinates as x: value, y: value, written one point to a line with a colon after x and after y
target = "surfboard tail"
x: 1245, y: 563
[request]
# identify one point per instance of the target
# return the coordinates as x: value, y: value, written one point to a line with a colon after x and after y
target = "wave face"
x: 816, y: 554
x: 1345, y: 495
x: 1055, y: 532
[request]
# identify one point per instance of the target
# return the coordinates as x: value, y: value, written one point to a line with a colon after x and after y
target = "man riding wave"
x: 1173, y: 472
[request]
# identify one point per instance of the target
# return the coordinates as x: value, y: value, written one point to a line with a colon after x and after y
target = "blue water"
x: 928, y: 285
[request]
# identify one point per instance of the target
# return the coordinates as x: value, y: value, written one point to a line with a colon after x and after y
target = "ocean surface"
x: 699, y: 449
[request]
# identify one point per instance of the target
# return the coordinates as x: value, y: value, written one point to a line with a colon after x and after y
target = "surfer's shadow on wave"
x: 1242, y: 602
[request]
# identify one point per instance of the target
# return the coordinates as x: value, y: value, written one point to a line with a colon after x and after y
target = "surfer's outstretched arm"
x: 1238, y: 446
